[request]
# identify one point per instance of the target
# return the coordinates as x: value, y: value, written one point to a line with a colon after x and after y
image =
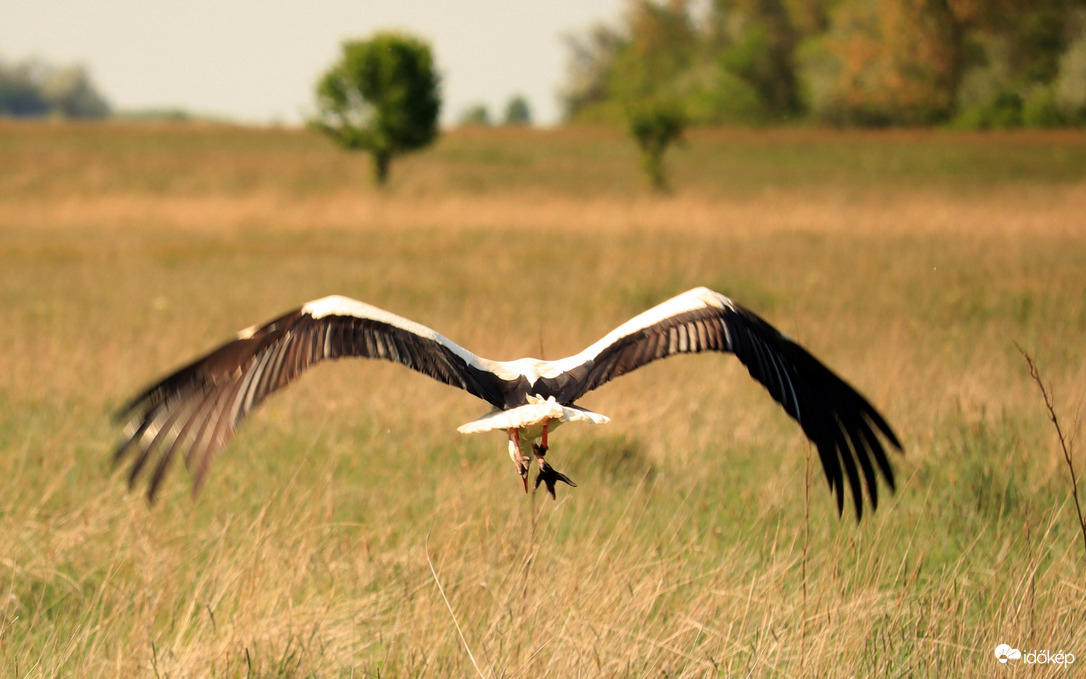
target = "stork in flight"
x: 195, y: 411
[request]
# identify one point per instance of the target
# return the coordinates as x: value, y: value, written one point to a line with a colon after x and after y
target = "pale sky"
x: 257, y: 61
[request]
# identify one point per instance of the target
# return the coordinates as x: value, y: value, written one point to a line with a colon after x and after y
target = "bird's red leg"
x: 541, y: 449
x: 518, y: 459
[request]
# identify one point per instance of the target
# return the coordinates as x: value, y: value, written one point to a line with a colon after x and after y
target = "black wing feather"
x: 198, y: 408
x: 842, y: 424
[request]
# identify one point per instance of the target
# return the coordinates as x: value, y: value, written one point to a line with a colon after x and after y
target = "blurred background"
x: 972, y: 63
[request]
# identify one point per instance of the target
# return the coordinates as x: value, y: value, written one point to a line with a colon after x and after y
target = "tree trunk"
x: 652, y: 162
x: 381, y: 162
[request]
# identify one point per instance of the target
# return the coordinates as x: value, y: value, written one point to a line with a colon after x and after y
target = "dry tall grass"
x: 330, y: 530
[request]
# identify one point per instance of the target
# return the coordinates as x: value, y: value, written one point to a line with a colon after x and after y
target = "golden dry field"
x: 349, y: 531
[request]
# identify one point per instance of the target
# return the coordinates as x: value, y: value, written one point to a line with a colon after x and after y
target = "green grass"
x: 909, y: 262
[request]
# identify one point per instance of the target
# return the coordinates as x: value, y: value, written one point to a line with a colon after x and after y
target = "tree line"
x: 35, y: 89
x: 517, y: 113
x: 968, y: 63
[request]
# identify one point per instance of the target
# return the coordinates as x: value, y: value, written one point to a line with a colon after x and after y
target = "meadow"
x: 349, y: 531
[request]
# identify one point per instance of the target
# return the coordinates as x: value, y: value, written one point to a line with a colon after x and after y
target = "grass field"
x: 349, y: 532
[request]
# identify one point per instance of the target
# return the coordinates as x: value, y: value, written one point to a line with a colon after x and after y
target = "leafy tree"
x: 856, y: 62
x: 1071, y: 86
x: 756, y: 42
x: 592, y: 59
x: 71, y: 93
x: 900, y: 63
x: 663, y: 45
x: 476, y: 115
x: 36, y: 89
x: 735, y: 64
x: 20, y: 92
x: 656, y: 124
x: 382, y: 96
x: 517, y: 111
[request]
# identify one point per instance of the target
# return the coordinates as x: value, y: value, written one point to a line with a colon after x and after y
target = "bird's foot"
x: 548, y: 474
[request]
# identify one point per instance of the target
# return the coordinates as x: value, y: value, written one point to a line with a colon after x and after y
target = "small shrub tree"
x: 476, y: 115
x: 655, y: 125
x: 382, y: 96
x: 517, y: 111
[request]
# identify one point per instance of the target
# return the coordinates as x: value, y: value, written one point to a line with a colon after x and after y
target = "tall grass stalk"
x: 1066, y: 444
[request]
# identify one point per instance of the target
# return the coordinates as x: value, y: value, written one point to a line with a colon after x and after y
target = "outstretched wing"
x: 842, y: 424
x: 196, y: 410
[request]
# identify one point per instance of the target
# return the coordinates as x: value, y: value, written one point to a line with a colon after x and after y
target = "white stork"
x: 197, y: 409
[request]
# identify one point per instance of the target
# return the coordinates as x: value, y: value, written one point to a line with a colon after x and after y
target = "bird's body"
x: 196, y: 409
x: 530, y: 418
